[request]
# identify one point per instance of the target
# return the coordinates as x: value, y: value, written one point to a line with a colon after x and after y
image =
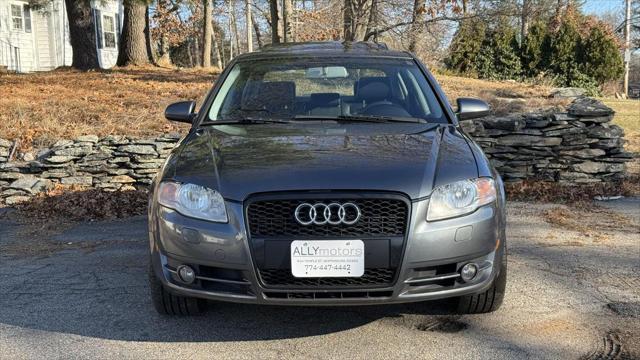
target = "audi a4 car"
x: 326, y: 174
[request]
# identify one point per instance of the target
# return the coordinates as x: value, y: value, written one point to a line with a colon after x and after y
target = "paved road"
x: 80, y: 292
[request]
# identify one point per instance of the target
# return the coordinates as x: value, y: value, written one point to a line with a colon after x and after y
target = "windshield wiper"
x: 363, y: 118
x: 247, y: 121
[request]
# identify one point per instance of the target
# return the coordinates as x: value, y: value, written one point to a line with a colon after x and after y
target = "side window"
x: 109, y: 31
x: 16, y: 17
x: 415, y: 94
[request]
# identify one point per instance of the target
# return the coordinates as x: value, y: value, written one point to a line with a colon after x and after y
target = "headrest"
x: 366, y: 81
x: 274, y: 96
x: 324, y: 99
x: 374, y: 91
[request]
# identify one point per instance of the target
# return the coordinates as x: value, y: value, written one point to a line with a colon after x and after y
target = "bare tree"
x: 275, y: 21
x: 249, y: 25
x: 417, y: 25
x: 256, y: 29
x: 355, y: 16
x: 208, y: 33
x: 217, y: 57
x: 231, y: 32
x: 525, y: 18
x: 287, y: 11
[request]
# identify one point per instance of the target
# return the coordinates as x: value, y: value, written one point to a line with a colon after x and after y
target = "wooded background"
x: 550, y: 41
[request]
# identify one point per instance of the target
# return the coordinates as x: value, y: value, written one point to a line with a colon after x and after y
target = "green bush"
x: 563, y: 50
x: 534, y: 50
x: 465, y: 46
x: 491, y: 51
x: 600, y: 57
x: 576, y: 78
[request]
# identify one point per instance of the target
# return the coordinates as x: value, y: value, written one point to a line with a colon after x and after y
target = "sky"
x: 596, y: 7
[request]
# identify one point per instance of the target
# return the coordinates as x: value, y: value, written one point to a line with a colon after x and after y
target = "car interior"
x: 327, y: 93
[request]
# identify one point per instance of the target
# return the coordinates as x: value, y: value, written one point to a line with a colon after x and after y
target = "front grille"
x: 283, y: 277
x: 380, y: 217
x: 328, y: 295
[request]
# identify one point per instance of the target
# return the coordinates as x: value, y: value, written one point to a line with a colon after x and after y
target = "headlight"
x: 193, y: 200
x: 461, y: 197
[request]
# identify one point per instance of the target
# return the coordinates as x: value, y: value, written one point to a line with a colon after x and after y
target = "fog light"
x: 469, y: 271
x: 186, y: 274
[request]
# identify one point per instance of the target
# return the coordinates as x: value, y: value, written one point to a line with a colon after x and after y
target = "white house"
x: 38, y: 40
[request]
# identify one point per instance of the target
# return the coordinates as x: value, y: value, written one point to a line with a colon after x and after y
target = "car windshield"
x: 332, y: 88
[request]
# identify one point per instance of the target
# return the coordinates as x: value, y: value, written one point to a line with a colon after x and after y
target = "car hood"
x: 242, y: 160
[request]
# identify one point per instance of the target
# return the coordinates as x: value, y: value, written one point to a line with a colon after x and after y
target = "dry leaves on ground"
x: 553, y: 192
x: 76, y: 204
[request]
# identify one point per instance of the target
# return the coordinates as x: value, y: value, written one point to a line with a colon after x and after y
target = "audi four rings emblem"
x: 334, y: 214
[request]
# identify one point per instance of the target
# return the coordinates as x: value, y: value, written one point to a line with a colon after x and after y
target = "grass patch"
x: 41, y: 108
x: 504, y: 96
x: 628, y: 117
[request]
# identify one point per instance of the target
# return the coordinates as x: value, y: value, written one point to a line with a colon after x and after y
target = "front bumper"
x: 220, y: 253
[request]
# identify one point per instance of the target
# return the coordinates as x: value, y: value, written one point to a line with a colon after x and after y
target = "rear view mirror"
x: 183, y: 111
x: 327, y: 72
x: 469, y: 108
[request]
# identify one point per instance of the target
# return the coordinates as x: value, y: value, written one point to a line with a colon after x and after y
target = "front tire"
x: 489, y: 300
x: 167, y: 303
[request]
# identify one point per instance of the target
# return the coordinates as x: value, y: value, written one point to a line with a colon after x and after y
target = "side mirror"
x: 183, y: 111
x: 469, y: 108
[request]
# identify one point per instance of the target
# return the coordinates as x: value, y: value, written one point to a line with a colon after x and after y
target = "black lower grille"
x: 371, y: 277
x: 328, y: 295
x: 384, y: 216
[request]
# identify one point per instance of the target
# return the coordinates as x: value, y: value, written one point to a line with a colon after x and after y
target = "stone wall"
x: 110, y: 163
x: 577, y: 146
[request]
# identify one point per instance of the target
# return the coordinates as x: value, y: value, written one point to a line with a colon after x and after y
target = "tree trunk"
x: 216, y: 52
x: 557, y: 17
x: 208, y: 33
x: 165, y: 57
x: 196, y: 51
x: 275, y: 20
x: 82, y: 35
x: 230, y: 17
x: 133, y: 45
x: 287, y: 12
x: 355, y: 16
x: 147, y: 34
x: 372, y: 25
x: 256, y: 28
x: 221, y: 51
x: 235, y: 25
x: 524, y: 20
x: 249, y: 25
x: 417, y: 24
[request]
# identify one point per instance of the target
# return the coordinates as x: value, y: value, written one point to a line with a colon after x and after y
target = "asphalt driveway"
x: 80, y: 291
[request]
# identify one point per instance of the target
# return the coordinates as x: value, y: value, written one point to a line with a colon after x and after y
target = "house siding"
x: 17, y: 38
x: 48, y: 45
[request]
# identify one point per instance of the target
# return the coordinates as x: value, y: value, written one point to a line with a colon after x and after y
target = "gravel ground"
x: 79, y: 291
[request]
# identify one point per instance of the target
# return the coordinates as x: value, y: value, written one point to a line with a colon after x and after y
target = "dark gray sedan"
x: 327, y: 174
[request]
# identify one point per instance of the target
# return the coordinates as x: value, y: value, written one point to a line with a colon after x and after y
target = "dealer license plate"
x: 327, y: 258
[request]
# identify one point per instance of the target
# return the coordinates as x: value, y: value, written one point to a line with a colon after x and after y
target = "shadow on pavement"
x: 103, y: 293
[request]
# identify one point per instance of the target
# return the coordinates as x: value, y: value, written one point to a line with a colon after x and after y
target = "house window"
x: 16, y: 17
x: 109, y: 31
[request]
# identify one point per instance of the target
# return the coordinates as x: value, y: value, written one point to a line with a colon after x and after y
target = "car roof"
x: 325, y: 48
